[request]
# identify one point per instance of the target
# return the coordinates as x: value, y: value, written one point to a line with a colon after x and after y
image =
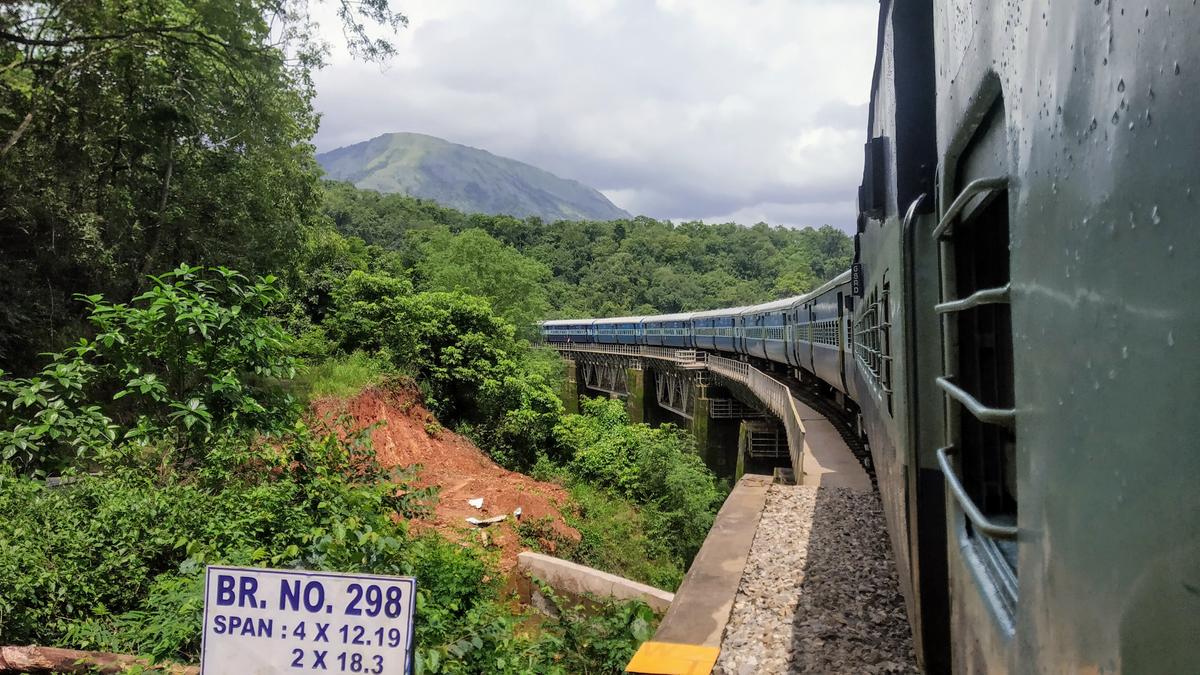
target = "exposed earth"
x: 410, y: 435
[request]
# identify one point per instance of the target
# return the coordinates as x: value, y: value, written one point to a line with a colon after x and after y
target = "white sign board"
x: 264, y: 622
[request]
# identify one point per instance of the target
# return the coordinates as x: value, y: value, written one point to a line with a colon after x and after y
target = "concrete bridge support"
x: 570, y: 388
x: 716, y: 439
x: 640, y: 398
x: 657, y: 391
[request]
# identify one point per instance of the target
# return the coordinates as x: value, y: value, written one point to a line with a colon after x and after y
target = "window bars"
x: 958, y: 400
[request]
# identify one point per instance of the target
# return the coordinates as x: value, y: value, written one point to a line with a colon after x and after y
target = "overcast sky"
x: 750, y: 110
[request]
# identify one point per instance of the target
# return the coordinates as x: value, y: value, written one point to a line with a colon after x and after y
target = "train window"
x: 885, y: 334
x: 872, y: 343
x: 980, y: 402
x: 985, y: 367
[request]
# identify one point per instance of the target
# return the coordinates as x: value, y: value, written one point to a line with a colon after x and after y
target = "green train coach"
x: 1019, y: 333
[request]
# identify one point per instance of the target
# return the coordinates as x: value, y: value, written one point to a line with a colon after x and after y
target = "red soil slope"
x: 410, y: 435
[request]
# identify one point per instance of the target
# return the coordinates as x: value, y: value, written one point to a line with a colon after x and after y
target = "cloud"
x: 675, y: 109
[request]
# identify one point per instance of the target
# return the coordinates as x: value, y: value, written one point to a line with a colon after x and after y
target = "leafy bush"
x: 467, y: 360
x: 97, y: 559
x: 655, y: 467
x: 615, y: 536
x: 475, y: 263
x: 190, y: 358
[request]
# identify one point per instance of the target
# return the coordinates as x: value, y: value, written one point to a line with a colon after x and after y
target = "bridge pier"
x: 716, y: 438
x: 570, y: 388
x: 661, y: 391
x: 637, y: 403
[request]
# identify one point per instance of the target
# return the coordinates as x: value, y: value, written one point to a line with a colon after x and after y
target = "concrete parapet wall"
x: 701, y: 608
x: 578, y: 582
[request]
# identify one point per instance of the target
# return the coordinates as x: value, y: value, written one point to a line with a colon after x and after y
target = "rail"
x: 775, y: 395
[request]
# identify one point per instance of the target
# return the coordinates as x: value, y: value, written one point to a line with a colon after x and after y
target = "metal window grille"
x: 978, y: 368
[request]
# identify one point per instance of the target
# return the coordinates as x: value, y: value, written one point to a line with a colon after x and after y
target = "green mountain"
x: 467, y: 179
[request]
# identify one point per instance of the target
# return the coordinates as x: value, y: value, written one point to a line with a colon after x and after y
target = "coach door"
x: 978, y: 456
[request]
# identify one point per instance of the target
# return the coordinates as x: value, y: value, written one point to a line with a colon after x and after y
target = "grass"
x: 614, y: 533
x: 615, y: 539
x: 340, y: 376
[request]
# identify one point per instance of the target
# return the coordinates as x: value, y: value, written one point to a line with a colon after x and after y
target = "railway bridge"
x: 763, y: 587
x: 743, y: 419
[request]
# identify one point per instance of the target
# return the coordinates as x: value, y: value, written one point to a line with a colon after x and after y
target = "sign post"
x: 264, y: 622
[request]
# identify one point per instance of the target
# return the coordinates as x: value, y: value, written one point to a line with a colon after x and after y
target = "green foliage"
x: 654, y: 467
x: 602, y: 641
x: 614, y: 536
x: 115, y: 562
x: 632, y: 266
x: 465, y: 357
x: 134, y: 135
x: 190, y: 358
x: 476, y: 264
x: 110, y: 560
x: 339, y: 376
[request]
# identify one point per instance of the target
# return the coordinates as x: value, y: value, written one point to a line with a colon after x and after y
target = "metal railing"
x: 675, y: 354
x: 775, y: 395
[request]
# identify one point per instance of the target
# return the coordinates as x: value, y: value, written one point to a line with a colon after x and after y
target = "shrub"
x: 655, y: 467
x: 189, y: 359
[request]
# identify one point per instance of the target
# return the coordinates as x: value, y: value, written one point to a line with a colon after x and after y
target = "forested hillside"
x: 465, y: 178
x: 634, y: 266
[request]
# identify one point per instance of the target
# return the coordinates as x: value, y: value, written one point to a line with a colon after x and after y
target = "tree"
x: 476, y: 264
x: 134, y: 135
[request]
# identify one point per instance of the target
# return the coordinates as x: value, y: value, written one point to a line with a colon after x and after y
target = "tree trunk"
x: 33, y: 659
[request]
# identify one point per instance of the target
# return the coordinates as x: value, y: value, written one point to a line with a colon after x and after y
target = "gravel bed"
x: 819, y: 593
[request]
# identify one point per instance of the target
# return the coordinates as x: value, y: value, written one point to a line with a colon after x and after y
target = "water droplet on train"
x: 1170, y: 249
x: 1176, y: 67
x: 1124, y: 351
x: 1170, y: 339
x: 1116, y: 117
x: 1154, y: 217
x: 1092, y: 126
x: 1060, y: 402
x: 1112, y: 373
x: 1121, y: 85
x: 1131, y: 126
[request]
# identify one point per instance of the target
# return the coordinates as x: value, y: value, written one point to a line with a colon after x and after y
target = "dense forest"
x: 637, y: 266
x: 178, y: 283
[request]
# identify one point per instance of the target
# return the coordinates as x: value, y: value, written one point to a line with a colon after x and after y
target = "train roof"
x: 678, y: 316
x: 783, y: 303
x: 620, y: 319
x: 843, y: 278
x: 724, y: 311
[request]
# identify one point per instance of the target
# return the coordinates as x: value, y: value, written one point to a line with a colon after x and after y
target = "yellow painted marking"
x: 670, y: 658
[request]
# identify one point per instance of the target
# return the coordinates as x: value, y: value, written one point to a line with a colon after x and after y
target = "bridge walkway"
x: 828, y: 461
